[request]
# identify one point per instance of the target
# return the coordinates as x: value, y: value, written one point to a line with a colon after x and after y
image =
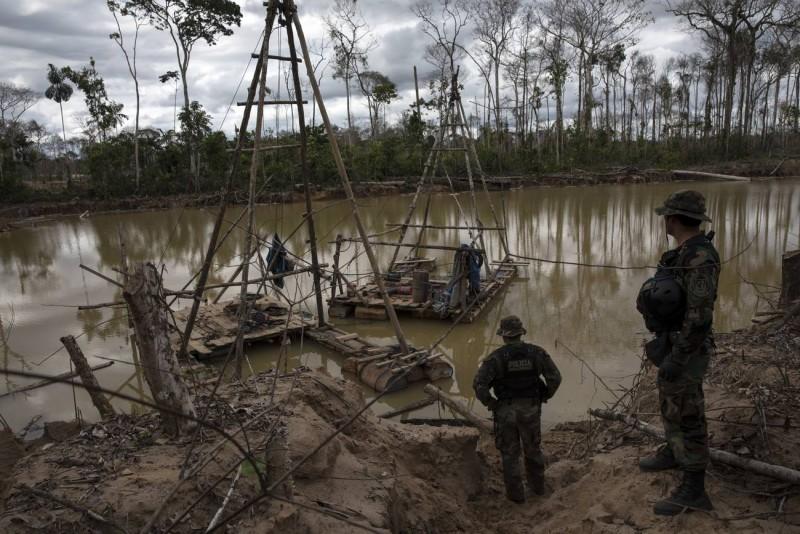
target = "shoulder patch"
x: 699, y: 286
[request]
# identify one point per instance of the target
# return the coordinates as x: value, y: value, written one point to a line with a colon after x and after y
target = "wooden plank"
x: 346, y: 337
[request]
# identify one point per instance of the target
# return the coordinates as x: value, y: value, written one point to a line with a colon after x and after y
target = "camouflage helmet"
x: 511, y: 326
x: 685, y: 202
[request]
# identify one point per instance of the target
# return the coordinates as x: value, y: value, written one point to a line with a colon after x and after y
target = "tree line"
x: 547, y: 85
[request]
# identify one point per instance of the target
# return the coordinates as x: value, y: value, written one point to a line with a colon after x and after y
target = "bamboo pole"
x: 301, y: 119
x: 484, y: 425
x: 212, y: 243
x: 292, y: 9
x: 754, y: 466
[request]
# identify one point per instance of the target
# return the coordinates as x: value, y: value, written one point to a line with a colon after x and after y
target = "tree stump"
x: 87, y: 377
x: 147, y: 308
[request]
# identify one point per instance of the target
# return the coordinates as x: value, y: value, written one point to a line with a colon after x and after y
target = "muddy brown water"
x: 590, y: 311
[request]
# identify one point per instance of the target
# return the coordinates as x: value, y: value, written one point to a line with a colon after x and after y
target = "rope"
x: 624, y: 267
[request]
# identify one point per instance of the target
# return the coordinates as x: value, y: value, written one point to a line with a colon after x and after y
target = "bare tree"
x: 130, y: 10
x: 721, y: 21
x: 494, y: 23
x: 352, y: 42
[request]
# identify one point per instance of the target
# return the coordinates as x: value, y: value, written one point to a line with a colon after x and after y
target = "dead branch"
x: 71, y: 505
x: 754, y: 466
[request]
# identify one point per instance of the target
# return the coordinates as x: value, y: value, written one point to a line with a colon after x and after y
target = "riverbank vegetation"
x: 561, y: 84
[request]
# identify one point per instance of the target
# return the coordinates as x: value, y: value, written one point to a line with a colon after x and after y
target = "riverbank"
x: 383, y: 475
x: 28, y: 214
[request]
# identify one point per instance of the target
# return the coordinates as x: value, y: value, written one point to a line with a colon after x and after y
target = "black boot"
x: 690, y: 495
x: 535, y: 477
x: 662, y: 460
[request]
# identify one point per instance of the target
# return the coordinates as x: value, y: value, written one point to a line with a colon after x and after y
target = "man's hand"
x: 669, y: 371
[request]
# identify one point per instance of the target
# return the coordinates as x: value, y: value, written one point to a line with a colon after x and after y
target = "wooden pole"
x: 244, y: 306
x: 336, y: 254
x: 304, y: 170
x: 431, y: 162
x: 484, y: 425
x: 446, y: 227
x: 414, y: 245
x: 212, y: 243
x: 160, y: 367
x: 471, y: 146
x: 54, y: 380
x: 754, y: 466
x: 337, y: 156
x: 714, y: 176
x: 83, y: 369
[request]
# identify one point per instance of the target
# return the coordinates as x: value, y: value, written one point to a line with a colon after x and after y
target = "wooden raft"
x: 367, y: 304
x: 376, y: 365
x: 216, y: 325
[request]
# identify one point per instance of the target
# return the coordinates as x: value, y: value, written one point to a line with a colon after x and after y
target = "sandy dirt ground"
x: 387, y: 476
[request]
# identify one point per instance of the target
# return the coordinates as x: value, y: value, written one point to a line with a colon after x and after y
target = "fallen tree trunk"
x: 484, y: 425
x: 62, y: 376
x: 87, y: 377
x: 712, y: 175
x: 778, y: 472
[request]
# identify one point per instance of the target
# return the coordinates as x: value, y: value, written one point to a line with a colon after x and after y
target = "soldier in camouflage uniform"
x: 514, y: 372
x: 685, y: 354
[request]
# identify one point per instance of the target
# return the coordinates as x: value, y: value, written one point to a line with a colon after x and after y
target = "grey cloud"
x: 67, y: 32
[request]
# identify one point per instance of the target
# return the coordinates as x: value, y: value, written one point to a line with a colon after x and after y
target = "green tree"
x: 104, y: 113
x: 189, y: 22
x: 59, y: 91
x: 379, y: 91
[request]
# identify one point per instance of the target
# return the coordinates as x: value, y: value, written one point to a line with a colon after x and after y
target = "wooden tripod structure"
x: 285, y: 13
x: 454, y: 136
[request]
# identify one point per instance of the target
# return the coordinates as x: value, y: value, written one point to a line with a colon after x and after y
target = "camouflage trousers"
x: 517, y: 427
x: 684, y: 418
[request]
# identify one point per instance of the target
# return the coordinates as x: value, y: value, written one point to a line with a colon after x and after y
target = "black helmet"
x: 662, y: 303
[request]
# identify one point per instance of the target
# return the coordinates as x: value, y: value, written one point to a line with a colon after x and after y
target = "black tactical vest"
x: 518, y: 371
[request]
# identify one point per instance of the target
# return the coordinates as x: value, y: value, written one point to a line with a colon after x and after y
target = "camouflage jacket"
x: 696, y: 266
x: 491, y: 373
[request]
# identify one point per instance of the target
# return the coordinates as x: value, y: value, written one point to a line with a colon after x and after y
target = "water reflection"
x: 589, y: 310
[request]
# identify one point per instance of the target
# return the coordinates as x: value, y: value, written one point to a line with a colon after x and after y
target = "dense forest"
x: 563, y: 85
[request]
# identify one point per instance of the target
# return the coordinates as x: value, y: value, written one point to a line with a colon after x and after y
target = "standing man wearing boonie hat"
x: 692, y: 268
x: 514, y: 372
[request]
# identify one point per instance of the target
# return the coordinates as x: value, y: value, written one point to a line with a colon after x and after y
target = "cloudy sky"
x: 34, y: 33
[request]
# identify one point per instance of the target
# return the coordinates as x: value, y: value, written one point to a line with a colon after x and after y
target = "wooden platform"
x: 377, y: 365
x: 367, y: 303
x: 216, y: 325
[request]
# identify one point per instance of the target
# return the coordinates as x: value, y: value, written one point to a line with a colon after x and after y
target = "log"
x: 416, y: 405
x: 778, y: 472
x: 714, y: 176
x: 460, y: 408
x: 54, y: 380
x: 159, y: 364
x: 790, y: 277
x: 87, y: 377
